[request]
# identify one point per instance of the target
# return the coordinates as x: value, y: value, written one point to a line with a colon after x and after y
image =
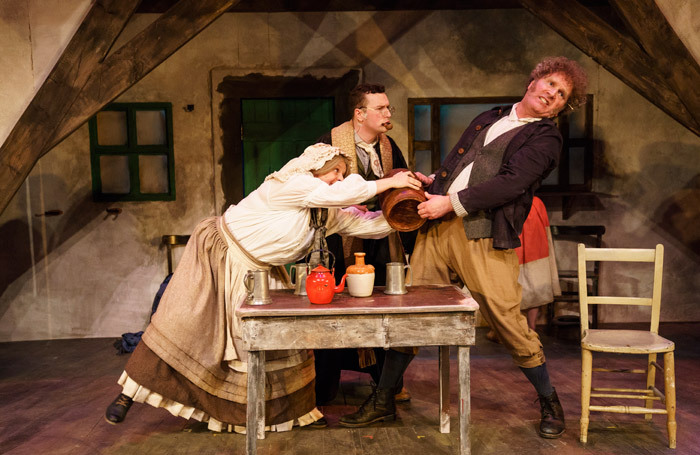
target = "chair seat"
x: 627, y: 341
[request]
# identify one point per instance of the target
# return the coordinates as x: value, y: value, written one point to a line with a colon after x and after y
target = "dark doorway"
x: 274, y: 131
x: 267, y: 88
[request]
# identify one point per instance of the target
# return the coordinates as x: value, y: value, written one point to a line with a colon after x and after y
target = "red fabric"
x: 533, y: 239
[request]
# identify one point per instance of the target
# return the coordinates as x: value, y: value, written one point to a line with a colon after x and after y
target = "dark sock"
x: 539, y: 377
x: 395, y: 363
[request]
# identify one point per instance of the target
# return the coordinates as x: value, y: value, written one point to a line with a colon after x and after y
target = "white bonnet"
x: 313, y: 158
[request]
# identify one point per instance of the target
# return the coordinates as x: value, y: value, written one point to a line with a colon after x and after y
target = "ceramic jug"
x: 360, y: 277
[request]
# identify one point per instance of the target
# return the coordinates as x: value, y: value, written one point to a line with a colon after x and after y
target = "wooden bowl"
x: 400, y: 206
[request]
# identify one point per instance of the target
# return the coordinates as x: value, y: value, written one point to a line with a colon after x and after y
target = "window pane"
x: 423, y: 161
x: 111, y: 128
x: 577, y: 123
x: 553, y: 178
x: 454, y: 119
x: 150, y: 127
x: 577, y: 165
x: 114, y: 172
x: 421, y: 122
x: 153, y: 173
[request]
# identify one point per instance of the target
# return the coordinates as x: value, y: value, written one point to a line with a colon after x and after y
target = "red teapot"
x: 320, y: 285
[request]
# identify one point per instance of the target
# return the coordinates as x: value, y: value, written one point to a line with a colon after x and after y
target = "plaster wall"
x: 33, y: 34
x: 86, y: 273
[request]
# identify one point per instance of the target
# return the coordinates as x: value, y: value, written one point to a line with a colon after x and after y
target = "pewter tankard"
x: 395, y: 278
x: 258, y: 286
x: 297, y: 275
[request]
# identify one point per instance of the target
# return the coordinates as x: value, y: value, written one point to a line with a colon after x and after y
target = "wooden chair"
x: 171, y: 241
x: 644, y: 342
x: 571, y: 235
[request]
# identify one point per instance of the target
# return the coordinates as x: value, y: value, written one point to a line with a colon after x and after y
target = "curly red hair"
x: 573, y: 72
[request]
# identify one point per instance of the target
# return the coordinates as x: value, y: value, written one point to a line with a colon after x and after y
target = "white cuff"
x: 457, y: 205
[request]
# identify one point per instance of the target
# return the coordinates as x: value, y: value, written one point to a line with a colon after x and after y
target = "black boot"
x: 116, y: 412
x: 552, y: 423
x: 378, y: 407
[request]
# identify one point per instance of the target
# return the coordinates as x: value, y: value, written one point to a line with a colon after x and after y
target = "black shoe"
x: 116, y: 412
x: 378, y: 407
x: 552, y: 423
x: 320, y: 423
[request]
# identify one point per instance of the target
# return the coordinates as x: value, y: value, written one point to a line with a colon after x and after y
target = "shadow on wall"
x: 16, y: 257
x: 513, y: 56
x: 666, y: 189
x: 368, y: 40
x: 679, y: 215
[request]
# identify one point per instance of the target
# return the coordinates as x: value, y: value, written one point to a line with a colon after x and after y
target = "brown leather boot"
x: 402, y: 396
x: 378, y: 407
x: 552, y: 424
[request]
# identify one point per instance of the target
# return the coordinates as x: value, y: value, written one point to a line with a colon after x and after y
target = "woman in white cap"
x: 191, y: 361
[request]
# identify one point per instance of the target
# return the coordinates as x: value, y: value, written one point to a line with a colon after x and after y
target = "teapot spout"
x: 341, y: 286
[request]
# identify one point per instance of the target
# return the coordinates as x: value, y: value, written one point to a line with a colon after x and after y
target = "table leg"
x: 444, y: 361
x: 464, y: 400
x: 255, y: 408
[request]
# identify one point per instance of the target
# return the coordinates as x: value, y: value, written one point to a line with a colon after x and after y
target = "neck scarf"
x: 372, y: 154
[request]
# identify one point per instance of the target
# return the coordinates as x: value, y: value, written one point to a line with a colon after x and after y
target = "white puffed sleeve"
x: 351, y: 221
x: 307, y: 191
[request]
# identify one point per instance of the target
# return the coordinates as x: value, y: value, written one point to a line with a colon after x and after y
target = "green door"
x: 277, y: 130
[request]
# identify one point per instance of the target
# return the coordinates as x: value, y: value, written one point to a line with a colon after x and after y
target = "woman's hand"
x: 404, y: 179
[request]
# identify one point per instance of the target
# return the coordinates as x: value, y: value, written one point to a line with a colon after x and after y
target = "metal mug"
x: 396, y: 279
x: 258, y: 286
x: 297, y: 275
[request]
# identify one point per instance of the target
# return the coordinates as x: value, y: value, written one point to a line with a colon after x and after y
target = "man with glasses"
x: 364, y: 138
x: 373, y: 154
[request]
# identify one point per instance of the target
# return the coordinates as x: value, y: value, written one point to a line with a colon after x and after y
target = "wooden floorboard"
x: 53, y: 395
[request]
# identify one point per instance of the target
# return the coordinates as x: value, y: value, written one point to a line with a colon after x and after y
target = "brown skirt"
x: 186, y: 361
x: 150, y: 371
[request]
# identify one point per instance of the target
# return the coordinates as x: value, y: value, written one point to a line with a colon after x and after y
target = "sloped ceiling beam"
x: 615, y: 52
x: 673, y: 60
x: 35, y: 128
x: 106, y: 80
x: 138, y: 57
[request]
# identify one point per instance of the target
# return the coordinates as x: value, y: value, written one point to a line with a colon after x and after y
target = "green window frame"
x: 137, y: 165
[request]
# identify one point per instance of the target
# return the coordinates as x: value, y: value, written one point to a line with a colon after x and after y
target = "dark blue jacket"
x: 529, y: 158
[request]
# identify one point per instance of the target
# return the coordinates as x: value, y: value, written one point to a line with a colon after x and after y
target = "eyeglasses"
x: 384, y: 109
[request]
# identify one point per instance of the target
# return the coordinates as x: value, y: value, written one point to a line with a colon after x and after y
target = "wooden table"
x: 426, y: 316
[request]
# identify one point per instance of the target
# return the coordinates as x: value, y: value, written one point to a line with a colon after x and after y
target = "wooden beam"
x: 34, y: 129
x: 272, y: 6
x: 139, y: 56
x: 111, y: 78
x: 614, y: 51
x: 673, y: 60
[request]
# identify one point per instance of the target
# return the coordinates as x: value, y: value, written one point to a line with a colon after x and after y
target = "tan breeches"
x: 491, y: 276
